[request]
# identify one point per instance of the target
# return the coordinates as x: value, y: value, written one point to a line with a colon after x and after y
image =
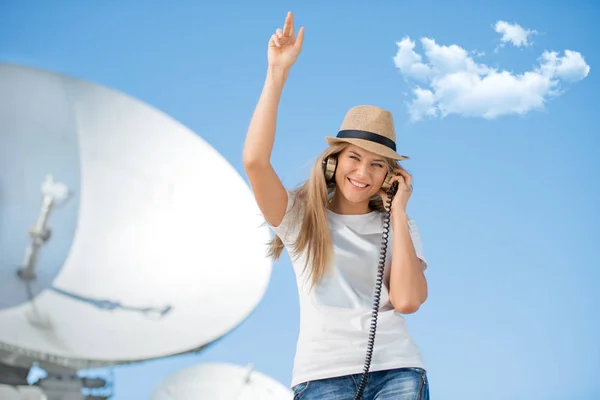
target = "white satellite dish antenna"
x: 220, y: 381
x: 123, y: 235
x: 21, y: 393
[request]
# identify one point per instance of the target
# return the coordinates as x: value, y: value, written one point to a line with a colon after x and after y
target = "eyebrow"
x: 355, y: 153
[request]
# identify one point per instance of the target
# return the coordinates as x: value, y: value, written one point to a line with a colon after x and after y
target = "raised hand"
x: 402, y: 196
x: 284, y: 46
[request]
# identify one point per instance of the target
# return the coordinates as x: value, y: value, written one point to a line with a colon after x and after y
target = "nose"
x: 362, y: 170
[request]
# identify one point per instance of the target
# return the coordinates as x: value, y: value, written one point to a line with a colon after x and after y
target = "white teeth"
x: 360, y: 185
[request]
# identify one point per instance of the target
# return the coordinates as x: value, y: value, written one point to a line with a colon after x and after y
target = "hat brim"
x: 373, y: 147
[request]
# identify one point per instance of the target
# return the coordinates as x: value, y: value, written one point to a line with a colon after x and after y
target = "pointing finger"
x: 288, y: 28
x: 292, y: 27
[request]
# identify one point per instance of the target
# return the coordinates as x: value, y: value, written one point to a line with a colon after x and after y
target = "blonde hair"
x: 314, y: 236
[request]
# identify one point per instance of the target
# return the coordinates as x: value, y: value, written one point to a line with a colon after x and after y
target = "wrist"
x: 399, y: 216
x: 277, y: 75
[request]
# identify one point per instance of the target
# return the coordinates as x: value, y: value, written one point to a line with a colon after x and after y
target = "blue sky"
x: 507, y: 206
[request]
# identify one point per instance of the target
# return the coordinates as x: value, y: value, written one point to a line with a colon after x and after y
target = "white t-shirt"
x: 335, y: 316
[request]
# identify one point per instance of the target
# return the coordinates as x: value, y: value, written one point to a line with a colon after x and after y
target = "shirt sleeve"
x: 288, y: 228
x: 416, y: 239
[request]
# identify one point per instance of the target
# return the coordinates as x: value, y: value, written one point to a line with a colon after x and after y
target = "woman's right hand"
x: 284, y: 46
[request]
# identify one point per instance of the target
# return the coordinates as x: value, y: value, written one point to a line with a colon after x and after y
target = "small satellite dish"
x: 220, y: 381
x: 21, y: 393
x: 124, y: 236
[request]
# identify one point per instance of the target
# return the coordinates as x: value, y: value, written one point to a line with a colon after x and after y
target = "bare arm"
x: 408, y: 285
x: 268, y: 190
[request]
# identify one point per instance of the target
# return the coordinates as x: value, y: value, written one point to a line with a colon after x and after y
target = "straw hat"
x: 371, y: 128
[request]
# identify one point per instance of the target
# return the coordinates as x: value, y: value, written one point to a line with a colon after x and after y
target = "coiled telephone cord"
x: 377, y: 296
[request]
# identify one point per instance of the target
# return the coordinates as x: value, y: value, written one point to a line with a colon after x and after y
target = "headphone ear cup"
x: 330, y: 163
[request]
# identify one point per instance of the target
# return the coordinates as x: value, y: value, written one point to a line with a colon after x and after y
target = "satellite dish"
x: 123, y: 235
x: 220, y: 382
x: 21, y: 393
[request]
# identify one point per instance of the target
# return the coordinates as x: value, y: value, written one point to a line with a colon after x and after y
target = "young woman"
x: 333, y: 227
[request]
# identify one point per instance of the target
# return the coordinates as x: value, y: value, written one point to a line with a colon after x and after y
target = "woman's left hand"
x: 404, y: 191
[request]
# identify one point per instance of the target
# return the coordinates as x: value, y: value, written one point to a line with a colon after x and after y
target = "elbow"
x: 406, y: 306
x: 252, y: 161
x: 248, y: 159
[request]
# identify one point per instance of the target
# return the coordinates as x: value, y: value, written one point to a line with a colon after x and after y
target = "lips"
x: 358, y: 184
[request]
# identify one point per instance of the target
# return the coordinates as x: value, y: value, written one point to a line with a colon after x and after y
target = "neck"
x: 340, y: 205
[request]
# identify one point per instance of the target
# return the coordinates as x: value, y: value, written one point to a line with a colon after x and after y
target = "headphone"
x: 330, y: 165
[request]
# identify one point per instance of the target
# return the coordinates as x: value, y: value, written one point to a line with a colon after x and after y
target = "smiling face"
x: 359, y: 174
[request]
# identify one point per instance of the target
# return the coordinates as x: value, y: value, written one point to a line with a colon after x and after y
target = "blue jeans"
x: 395, y: 384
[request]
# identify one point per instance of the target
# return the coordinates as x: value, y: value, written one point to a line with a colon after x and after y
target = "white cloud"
x: 514, y: 33
x: 572, y: 67
x: 409, y: 62
x: 451, y: 82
